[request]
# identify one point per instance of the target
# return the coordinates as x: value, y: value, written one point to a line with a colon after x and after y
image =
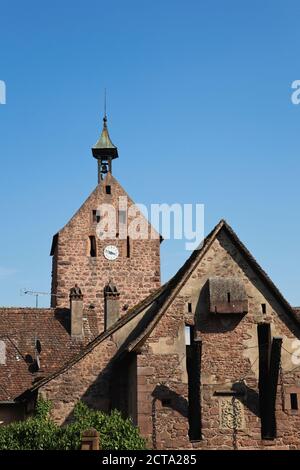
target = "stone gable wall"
x: 229, y: 355
x: 87, y: 380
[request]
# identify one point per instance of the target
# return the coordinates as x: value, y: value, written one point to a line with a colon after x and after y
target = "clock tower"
x: 92, y: 253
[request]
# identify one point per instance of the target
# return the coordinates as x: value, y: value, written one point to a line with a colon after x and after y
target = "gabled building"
x: 207, y: 361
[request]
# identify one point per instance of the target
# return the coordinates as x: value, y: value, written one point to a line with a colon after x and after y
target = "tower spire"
x: 104, y: 150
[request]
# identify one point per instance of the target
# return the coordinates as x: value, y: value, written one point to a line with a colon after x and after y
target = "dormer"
x: 227, y: 295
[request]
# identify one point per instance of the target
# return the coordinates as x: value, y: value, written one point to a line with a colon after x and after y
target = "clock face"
x: 111, y: 252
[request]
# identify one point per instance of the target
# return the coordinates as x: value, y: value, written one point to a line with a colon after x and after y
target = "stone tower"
x: 99, y: 247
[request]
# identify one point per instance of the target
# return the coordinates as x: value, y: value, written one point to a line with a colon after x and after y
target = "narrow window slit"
x: 96, y: 216
x: 294, y: 401
x: 193, y: 364
x: 93, y: 247
x: 128, y: 247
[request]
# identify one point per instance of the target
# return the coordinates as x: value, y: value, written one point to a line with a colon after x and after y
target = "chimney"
x: 76, y: 307
x: 112, y: 309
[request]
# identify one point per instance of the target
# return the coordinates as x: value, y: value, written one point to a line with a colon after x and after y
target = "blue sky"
x: 199, y: 104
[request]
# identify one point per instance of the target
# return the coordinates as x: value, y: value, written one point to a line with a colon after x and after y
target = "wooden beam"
x: 264, y: 348
x: 194, y: 392
x: 269, y: 362
x: 272, y: 387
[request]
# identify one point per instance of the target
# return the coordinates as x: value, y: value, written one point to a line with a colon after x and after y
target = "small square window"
x: 96, y: 216
x: 291, y: 400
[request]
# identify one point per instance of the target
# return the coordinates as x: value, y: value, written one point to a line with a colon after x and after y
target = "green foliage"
x: 41, y: 433
x: 42, y: 408
x: 34, y: 433
x: 116, y: 433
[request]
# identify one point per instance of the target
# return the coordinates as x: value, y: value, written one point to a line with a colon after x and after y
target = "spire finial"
x: 104, y: 149
x: 105, y: 116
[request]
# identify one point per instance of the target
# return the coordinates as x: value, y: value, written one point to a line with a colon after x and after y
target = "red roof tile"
x: 19, y: 330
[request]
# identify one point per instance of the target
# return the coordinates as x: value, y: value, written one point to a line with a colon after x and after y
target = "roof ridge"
x: 28, y: 309
x: 189, y: 265
x: 99, y: 188
x: 92, y: 344
x: 260, y: 270
x: 174, y: 284
x: 124, y: 319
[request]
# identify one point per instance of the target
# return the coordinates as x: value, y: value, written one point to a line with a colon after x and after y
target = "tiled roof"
x: 158, y: 302
x: 152, y: 299
x: 297, y: 313
x: 20, y: 328
x: 60, y: 352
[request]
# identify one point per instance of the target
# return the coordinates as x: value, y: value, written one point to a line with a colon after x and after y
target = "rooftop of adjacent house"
x: 35, y: 342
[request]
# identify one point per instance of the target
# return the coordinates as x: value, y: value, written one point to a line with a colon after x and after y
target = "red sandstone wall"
x: 87, y: 380
x: 135, y: 277
x: 230, y: 352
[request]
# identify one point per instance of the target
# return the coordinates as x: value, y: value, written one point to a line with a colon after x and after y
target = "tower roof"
x: 104, y: 147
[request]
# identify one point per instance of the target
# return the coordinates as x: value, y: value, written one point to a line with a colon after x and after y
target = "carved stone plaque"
x: 231, y: 414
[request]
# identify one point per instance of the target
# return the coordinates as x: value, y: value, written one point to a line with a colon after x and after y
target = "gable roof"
x: 158, y: 302
x: 19, y: 330
x: 99, y: 193
x: 131, y: 314
x: 297, y: 313
x: 186, y: 270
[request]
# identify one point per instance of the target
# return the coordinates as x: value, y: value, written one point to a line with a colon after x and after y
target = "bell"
x: 104, y: 168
